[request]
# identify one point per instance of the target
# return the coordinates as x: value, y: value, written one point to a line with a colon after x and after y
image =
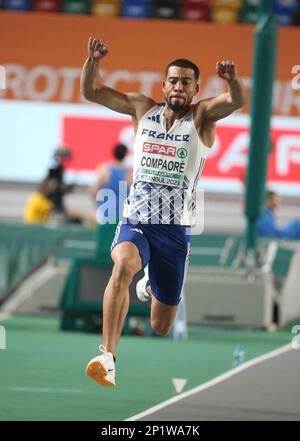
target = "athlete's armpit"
x: 207, y: 133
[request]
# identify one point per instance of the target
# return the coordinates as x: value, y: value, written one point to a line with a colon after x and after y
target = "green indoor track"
x: 43, y: 369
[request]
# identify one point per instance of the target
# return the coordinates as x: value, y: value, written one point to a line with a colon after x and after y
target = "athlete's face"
x: 180, y: 87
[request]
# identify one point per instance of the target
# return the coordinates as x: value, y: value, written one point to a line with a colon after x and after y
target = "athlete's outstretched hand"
x: 226, y: 70
x: 97, y: 49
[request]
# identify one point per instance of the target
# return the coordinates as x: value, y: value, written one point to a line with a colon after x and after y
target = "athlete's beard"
x: 177, y: 107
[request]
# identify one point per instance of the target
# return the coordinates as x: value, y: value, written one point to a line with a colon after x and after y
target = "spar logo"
x: 159, y: 149
x: 182, y: 153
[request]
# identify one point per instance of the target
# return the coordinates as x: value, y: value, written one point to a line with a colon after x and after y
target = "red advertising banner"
x: 92, y: 139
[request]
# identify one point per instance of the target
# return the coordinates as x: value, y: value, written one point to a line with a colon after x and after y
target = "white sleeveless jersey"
x: 166, y: 169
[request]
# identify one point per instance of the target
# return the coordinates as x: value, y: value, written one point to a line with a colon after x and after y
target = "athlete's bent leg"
x: 162, y: 316
x: 127, y: 263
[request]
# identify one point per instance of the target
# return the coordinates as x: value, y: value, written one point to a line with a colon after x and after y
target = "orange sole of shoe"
x: 97, y: 372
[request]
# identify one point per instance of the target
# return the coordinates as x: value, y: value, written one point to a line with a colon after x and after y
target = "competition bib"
x: 163, y: 164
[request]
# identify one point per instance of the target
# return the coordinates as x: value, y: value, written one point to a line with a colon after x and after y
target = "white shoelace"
x: 102, y: 349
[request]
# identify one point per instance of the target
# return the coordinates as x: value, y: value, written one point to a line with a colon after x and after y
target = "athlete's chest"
x: 154, y: 129
x: 163, y: 157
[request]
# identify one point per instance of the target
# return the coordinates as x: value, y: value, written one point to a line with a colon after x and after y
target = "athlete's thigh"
x: 130, y: 244
x: 128, y: 253
x: 162, y: 313
x: 167, y: 268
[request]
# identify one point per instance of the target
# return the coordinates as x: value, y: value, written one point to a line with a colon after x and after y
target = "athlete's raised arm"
x: 94, y: 89
x: 224, y: 104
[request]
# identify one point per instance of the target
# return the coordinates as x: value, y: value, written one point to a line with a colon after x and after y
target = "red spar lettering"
x: 159, y: 149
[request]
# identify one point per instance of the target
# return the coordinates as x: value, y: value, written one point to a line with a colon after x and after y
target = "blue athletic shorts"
x: 165, y: 249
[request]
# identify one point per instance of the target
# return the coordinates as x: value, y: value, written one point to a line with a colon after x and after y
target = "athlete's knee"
x: 160, y: 327
x: 123, y: 272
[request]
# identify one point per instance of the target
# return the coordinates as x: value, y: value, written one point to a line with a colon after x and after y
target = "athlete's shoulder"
x: 199, y: 105
x: 199, y: 111
x: 140, y: 98
x: 140, y: 101
x: 144, y: 107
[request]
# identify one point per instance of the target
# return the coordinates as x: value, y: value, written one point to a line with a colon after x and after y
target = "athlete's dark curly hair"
x: 182, y: 62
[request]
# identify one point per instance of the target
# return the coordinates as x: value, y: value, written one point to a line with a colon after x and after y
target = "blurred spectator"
x: 61, y: 155
x: 109, y: 176
x: 39, y: 206
x: 60, y: 212
x: 47, y: 204
x: 266, y: 225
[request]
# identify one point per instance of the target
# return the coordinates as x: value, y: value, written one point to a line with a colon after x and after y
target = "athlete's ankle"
x: 148, y: 290
x: 112, y: 353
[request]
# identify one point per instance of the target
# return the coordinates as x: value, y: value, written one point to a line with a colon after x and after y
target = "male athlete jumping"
x: 172, y: 142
